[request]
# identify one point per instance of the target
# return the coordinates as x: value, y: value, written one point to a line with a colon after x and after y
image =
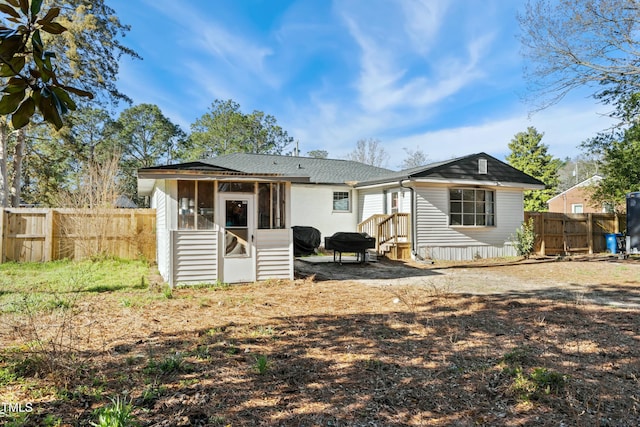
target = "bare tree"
x: 414, y: 158
x: 92, y: 200
x: 370, y: 152
x: 318, y: 154
x: 576, y: 43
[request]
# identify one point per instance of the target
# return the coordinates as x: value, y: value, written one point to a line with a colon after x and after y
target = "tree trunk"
x: 16, y: 180
x: 4, y: 186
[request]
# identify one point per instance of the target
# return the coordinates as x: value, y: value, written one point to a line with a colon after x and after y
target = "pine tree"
x: 530, y: 155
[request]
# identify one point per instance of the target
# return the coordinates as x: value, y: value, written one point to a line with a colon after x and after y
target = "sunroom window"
x: 471, y: 207
x: 195, y: 205
x: 271, y: 206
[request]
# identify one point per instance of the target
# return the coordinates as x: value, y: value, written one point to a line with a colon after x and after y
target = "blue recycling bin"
x: 612, y: 241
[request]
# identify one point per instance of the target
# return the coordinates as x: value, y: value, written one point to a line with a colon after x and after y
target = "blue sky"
x: 444, y: 76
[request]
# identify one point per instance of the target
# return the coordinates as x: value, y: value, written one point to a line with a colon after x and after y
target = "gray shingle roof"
x: 332, y: 171
x: 461, y: 168
x: 319, y: 171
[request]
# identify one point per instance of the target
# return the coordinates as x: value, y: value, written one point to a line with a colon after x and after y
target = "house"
x: 576, y: 199
x: 460, y: 209
x: 229, y: 218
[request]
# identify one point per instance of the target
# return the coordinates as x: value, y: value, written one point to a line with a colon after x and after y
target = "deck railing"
x: 386, y: 228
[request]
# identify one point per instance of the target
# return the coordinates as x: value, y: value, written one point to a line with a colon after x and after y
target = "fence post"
x: 590, y: 232
x: 48, y: 236
x: 2, y: 254
x: 543, y: 251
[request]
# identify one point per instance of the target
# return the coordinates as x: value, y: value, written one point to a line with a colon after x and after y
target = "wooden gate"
x: 563, y: 234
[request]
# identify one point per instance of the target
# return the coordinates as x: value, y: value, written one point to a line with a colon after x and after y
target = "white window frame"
x: 334, y: 200
x: 468, y: 203
x: 575, y: 206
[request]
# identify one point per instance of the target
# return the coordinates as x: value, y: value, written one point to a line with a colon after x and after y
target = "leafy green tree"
x: 569, y: 44
x: 30, y: 77
x: 90, y: 136
x: 55, y: 161
x: 82, y: 50
x: 619, y: 166
x: 226, y: 129
x: 264, y: 136
x: 530, y: 155
x: 47, y: 169
x: 146, y: 138
x: 91, y: 49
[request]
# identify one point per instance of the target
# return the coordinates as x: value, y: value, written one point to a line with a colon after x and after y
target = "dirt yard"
x: 536, y: 343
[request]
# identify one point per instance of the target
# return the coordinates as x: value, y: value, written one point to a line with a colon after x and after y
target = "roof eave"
x: 487, y: 183
x: 217, y: 175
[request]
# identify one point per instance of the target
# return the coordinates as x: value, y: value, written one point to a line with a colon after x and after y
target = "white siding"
x: 274, y: 253
x: 405, y: 201
x: 312, y: 205
x: 437, y: 240
x: 163, y: 247
x: 195, y: 256
x: 370, y: 202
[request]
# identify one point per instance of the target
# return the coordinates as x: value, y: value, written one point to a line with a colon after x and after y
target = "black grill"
x: 349, y: 242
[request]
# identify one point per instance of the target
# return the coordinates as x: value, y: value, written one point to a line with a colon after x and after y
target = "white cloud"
x: 393, y: 73
x: 564, y: 129
x: 424, y: 19
x: 214, y: 44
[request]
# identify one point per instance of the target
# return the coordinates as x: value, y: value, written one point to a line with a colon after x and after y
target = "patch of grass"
x: 167, y: 292
x: 517, y: 356
x: 216, y: 286
x: 7, y: 376
x: 45, y: 283
x: 51, y: 421
x: 530, y: 384
x: 173, y: 363
x: 116, y: 414
x: 263, y: 331
x: 19, y: 419
x: 152, y: 392
x: 261, y: 364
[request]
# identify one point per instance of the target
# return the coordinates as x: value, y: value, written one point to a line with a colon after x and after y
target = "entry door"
x: 238, y: 251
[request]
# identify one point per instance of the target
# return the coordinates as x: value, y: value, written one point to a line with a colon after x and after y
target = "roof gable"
x: 465, y: 168
x: 468, y: 168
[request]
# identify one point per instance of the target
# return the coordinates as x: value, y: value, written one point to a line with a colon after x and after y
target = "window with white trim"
x: 271, y: 205
x: 195, y: 205
x: 341, y: 201
x: 473, y: 207
x: 577, y: 208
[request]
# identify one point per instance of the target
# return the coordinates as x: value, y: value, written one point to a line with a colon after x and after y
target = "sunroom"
x: 220, y: 225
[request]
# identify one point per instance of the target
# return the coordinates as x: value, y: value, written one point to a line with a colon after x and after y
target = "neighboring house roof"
x: 586, y: 183
x: 460, y: 169
x: 123, y: 201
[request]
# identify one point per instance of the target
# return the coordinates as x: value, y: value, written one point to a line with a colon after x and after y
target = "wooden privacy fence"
x: 561, y: 234
x: 38, y: 235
